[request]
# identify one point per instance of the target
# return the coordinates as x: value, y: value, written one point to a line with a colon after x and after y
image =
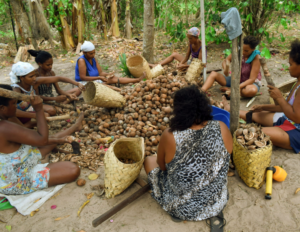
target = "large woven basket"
x: 157, y: 70
x: 137, y: 65
x: 194, y: 71
x: 97, y: 94
x: 251, y: 165
x: 118, y: 175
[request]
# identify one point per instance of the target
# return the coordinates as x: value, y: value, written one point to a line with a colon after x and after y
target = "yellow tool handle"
x: 269, y: 180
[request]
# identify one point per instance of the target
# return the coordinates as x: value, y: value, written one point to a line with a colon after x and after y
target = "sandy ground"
x: 247, y: 210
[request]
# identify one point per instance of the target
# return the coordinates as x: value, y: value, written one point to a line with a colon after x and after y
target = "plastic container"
x: 280, y: 174
x: 221, y: 115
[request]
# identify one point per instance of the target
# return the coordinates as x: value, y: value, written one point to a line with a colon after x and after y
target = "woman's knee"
x: 73, y: 170
x: 249, y: 91
x: 174, y: 54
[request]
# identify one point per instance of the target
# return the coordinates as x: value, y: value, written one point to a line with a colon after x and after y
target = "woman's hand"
x: 257, y: 108
x: 72, y: 97
x: 81, y: 86
x: 102, y: 79
x: 182, y: 66
x: 274, y: 92
x: 61, y: 98
x: 36, y: 102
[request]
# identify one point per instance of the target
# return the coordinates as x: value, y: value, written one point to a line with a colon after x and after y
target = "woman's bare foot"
x: 152, y: 65
x: 142, y: 77
x: 78, y: 123
x: 225, y: 104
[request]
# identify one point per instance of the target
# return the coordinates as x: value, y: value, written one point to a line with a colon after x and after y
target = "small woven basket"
x: 194, y: 71
x: 100, y: 95
x: 157, y: 70
x: 119, y: 176
x: 251, y: 165
x: 137, y: 65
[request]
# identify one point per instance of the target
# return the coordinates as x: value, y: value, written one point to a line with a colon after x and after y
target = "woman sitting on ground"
x: 45, y: 61
x: 188, y: 177
x: 21, y: 150
x: 281, y: 122
x: 24, y: 81
x: 250, y: 81
x: 88, y: 69
x: 194, y: 49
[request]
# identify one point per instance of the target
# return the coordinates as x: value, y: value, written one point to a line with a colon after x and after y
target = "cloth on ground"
x: 26, y: 203
x: 232, y: 22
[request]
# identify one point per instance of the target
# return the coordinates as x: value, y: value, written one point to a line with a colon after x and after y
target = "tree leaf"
x: 260, y: 30
x: 266, y: 53
x: 8, y: 228
x: 282, y: 37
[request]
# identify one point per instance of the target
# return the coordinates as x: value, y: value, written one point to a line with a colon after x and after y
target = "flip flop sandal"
x: 217, y: 223
x: 118, y: 84
x: 5, y: 205
x: 249, y: 117
x: 176, y: 219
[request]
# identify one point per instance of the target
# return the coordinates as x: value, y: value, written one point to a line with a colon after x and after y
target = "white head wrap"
x: 87, y: 46
x: 20, y: 69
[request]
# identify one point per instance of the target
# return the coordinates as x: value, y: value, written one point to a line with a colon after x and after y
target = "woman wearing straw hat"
x: 194, y: 49
x: 88, y: 69
x: 188, y: 177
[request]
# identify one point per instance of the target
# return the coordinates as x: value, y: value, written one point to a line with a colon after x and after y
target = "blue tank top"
x: 91, y: 70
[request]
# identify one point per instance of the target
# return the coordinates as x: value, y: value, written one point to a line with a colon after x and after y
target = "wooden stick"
x: 56, y: 118
x: 235, y: 83
x: 121, y: 205
x: 14, y: 95
x: 70, y: 107
x: 263, y: 63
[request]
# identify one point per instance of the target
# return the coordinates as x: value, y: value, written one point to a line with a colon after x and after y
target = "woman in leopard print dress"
x: 189, y: 177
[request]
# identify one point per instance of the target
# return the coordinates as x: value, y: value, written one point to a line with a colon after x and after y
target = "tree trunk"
x: 80, y: 21
x: 66, y: 33
x: 186, y: 13
x: 22, y: 19
x: 128, y: 25
x: 114, y: 18
x: 103, y: 20
x: 74, y: 21
x: 148, y: 41
x: 235, y: 83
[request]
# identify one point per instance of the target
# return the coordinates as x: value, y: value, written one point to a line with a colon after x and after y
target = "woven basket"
x: 157, y: 70
x: 100, y: 95
x: 194, y: 71
x: 119, y: 176
x: 251, y: 165
x: 137, y: 65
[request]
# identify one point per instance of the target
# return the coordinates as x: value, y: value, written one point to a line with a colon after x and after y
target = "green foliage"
x: 123, y: 66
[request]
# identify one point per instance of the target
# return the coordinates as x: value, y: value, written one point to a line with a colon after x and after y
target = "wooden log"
x: 70, y: 107
x: 236, y: 63
x: 56, y: 118
x: 22, y: 54
x: 121, y: 205
x: 14, y: 95
x: 263, y: 63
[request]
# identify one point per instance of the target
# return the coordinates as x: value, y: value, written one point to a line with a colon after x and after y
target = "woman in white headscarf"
x: 88, y: 69
x: 24, y: 80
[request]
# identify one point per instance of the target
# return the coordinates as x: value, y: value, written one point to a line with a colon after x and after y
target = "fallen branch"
x: 56, y: 118
x: 60, y: 105
x: 14, y: 95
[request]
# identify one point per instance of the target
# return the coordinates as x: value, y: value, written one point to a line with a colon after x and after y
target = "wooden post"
x: 236, y: 62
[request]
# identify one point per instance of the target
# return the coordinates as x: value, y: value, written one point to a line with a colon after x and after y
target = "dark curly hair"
x: 252, y: 41
x: 295, y: 51
x: 4, y: 100
x: 40, y: 56
x: 190, y: 107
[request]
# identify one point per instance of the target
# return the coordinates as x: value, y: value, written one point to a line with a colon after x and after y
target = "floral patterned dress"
x: 21, y: 171
x: 194, y: 186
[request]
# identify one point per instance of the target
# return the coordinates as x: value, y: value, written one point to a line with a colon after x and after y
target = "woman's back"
x: 194, y: 186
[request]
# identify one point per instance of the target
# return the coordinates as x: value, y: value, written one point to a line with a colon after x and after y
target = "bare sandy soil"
x: 247, y: 209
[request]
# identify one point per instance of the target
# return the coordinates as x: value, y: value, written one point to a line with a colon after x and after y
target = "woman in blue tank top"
x: 88, y: 69
x: 194, y: 50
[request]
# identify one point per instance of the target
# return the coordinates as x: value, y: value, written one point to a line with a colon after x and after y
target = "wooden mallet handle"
x: 14, y: 95
x: 56, y: 118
